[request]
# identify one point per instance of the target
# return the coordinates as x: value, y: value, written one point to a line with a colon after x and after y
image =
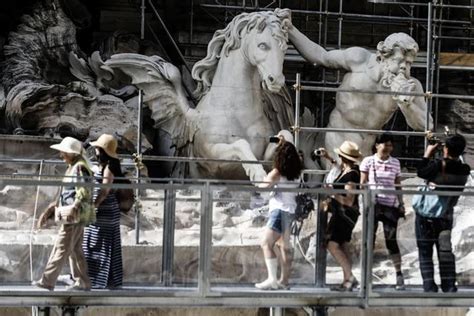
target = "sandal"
x: 348, y: 285
x: 283, y: 286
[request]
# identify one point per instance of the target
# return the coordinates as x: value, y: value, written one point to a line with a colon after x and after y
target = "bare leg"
x: 271, y: 262
x: 341, y: 258
x: 268, y: 243
x: 286, y: 258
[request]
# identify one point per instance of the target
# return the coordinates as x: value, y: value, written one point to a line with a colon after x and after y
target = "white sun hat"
x: 286, y: 134
x: 69, y: 145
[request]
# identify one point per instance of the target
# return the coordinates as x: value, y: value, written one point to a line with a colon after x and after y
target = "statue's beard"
x: 388, y: 77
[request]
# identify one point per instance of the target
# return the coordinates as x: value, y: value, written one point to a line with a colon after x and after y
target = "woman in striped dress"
x: 102, y: 244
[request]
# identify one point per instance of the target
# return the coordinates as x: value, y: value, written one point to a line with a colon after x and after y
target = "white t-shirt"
x: 284, y: 200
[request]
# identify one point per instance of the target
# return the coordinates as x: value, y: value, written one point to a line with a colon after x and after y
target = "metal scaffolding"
x: 434, y: 23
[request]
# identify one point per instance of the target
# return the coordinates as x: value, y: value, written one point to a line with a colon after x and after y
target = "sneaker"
x: 430, y: 287
x: 400, y: 285
x: 66, y: 279
x: 268, y: 284
x: 42, y: 285
x: 77, y: 287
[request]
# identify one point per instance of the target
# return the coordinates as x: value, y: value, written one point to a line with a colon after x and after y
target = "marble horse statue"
x: 241, y: 92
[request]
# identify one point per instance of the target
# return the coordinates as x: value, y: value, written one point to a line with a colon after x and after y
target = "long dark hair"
x: 287, y: 161
x: 113, y: 163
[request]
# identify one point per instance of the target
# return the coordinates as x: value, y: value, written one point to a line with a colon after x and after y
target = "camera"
x: 318, y: 152
x: 432, y: 139
x: 274, y: 139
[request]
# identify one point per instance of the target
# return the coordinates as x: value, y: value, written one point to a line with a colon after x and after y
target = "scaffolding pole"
x: 297, y: 87
x: 138, y: 165
x: 428, y: 87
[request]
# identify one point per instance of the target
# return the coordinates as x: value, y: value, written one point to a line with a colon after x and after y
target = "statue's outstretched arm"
x: 414, y: 109
x: 347, y: 59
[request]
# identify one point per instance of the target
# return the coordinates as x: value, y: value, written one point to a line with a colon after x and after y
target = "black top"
x: 455, y: 172
x: 352, y: 176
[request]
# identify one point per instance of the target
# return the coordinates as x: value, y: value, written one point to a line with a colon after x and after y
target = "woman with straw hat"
x: 102, y: 244
x: 69, y: 240
x: 345, y: 210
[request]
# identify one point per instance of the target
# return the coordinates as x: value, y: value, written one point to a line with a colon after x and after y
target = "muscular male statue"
x: 388, y: 69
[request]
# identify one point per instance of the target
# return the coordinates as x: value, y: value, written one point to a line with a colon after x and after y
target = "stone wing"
x: 163, y: 94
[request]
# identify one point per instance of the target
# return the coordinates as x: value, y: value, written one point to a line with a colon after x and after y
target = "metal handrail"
x: 205, y: 293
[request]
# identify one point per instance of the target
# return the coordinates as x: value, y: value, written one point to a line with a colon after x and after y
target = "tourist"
x: 345, y: 210
x: 77, y: 199
x: 286, y: 171
x: 102, y: 243
x: 382, y: 171
x: 437, y: 231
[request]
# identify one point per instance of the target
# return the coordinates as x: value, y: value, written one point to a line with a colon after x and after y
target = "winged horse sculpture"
x: 241, y: 92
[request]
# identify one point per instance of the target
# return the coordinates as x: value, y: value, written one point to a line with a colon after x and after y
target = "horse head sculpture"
x: 261, y: 38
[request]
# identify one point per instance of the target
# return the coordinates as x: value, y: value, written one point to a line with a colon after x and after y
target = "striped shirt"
x: 382, y: 173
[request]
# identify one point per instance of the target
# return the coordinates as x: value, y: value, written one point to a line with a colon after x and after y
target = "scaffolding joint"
x: 429, y: 95
x: 138, y: 161
x: 295, y: 129
x: 297, y: 87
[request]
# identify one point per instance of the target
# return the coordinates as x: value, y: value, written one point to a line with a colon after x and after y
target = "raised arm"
x: 414, y: 108
x: 270, y: 179
x: 349, y: 59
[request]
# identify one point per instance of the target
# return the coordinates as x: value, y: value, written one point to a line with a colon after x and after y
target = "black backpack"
x: 304, y: 206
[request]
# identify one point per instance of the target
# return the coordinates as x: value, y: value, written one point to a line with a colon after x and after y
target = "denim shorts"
x: 279, y: 221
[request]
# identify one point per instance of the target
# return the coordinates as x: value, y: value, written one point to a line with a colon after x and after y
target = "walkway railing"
x: 199, y: 246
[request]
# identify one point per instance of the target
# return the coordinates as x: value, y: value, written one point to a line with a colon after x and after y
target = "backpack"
x: 304, y: 206
x: 431, y: 206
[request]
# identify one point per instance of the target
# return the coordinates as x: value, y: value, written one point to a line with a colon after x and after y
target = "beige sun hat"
x: 108, y: 143
x: 286, y: 134
x: 69, y: 145
x: 349, y: 150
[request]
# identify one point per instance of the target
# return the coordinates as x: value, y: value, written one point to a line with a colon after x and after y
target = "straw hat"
x: 286, y: 134
x: 108, y: 143
x: 349, y: 150
x: 69, y: 145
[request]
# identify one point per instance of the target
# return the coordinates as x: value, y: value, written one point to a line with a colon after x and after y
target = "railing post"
x: 367, y: 249
x: 205, y: 241
x: 277, y: 311
x: 320, y: 251
x: 169, y: 213
x: 137, y: 169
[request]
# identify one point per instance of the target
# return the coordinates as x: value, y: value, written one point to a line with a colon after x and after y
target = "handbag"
x: 125, y: 197
x: 387, y: 213
x: 66, y: 215
x: 432, y: 205
x: 350, y: 215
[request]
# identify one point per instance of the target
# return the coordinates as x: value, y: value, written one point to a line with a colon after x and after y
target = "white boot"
x: 271, y: 282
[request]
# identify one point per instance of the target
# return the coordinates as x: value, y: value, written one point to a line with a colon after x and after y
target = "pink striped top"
x: 386, y: 171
